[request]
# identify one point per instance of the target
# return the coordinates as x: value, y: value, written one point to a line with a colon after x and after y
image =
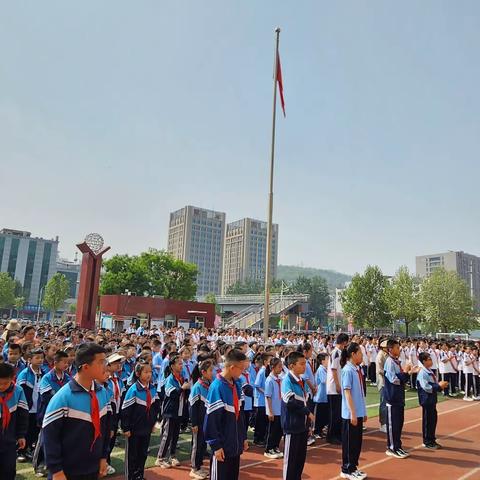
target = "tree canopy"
x: 154, y: 272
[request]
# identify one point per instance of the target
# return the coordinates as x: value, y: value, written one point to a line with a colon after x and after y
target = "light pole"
x: 40, y: 294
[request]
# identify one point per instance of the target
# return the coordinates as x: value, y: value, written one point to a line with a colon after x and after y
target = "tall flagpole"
x: 266, y: 313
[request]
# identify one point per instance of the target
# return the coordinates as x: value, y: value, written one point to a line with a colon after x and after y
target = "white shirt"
x: 334, y: 364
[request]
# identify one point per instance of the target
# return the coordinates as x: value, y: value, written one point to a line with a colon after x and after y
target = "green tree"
x: 56, y: 292
x: 211, y: 298
x: 249, y: 287
x: 317, y: 288
x: 19, y: 304
x: 403, y: 298
x: 154, y: 272
x: 7, y: 291
x: 365, y: 299
x: 73, y: 308
x: 446, y: 303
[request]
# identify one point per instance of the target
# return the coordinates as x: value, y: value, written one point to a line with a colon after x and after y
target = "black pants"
x: 351, y: 444
x: 413, y: 381
x: 8, y: 455
x: 87, y: 476
x: 186, y: 413
x: 461, y: 380
x: 170, y: 432
x: 38, y: 454
x: 372, y: 372
x: 274, y: 433
x: 451, y: 379
x: 227, y: 470
x: 429, y: 423
x: 335, y: 423
x: 469, y: 387
x: 32, y: 433
x: 199, y: 447
x: 136, y: 452
x: 382, y: 408
x: 322, y: 416
x: 247, y: 415
x: 260, y: 425
x: 294, y: 456
x: 395, y: 419
x: 114, y: 429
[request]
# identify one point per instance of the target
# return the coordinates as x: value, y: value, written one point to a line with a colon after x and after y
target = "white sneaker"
x: 162, y: 463
x: 310, y: 441
x: 197, y: 474
x: 350, y: 476
x: 361, y: 475
x: 110, y: 470
x: 270, y: 454
x: 174, y: 462
x: 467, y: 399
x: 383, y: 428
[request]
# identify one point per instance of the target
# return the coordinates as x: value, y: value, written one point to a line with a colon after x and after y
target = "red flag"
x: 280, y: 83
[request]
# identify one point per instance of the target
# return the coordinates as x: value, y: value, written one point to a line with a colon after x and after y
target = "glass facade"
x: 27, y: 284
x: 2, y: 248
x: 47, y: 252
x: 12, y: 259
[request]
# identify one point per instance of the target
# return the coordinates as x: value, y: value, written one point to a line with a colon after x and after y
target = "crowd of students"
x: 66, y: 394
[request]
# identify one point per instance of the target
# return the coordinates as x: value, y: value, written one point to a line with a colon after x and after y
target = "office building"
x: 71, y: 271
x: 30, y: 260
x: 246, y: 252
x: 466, y: 265
x: 196, y: 235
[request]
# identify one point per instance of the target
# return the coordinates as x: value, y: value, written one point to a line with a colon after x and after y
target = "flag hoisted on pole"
x: 276, y: 80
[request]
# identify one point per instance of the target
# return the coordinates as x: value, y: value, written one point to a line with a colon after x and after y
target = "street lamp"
x: 40, y: 295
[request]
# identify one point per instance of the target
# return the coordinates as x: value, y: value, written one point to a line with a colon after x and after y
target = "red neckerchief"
x: 397, y: 362
x: 279, y: 383
x: 302, y: 386
x: 149, y: 397
x: 360, y: 378
x: 95, y: 414
x: 5, y: 410
x: 203, y: 384
x: 256, y: 369
x: 247, y: 376
x: 178, y: 378
x: 236, y: 404
x: 116, y: 389
x: 61, y: 381
x: 188, y: 370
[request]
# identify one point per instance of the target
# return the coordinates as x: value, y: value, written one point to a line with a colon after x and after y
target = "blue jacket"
x: 134, y: 415
x: 127, y: 369
x: 46, y: 367
x: 49, y: 386
x: 395, y: 380
x: 427, y: 388
x: 174, y: 399
x: 222, y: 429
x: 26, y: 379
x: 321, y: 381
x: 68, y: 431
x: 295, y: 410
x: 17, y: 428
x: 197, y: 401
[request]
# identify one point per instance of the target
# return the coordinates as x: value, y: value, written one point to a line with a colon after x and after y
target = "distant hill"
x: 290, y: 273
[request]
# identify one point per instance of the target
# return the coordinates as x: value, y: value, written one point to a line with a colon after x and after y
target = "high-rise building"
x: 30, y: 260
x: 196, y: 235
x: 71, y: 271
x: 466, y: 265
x: 246, y: 252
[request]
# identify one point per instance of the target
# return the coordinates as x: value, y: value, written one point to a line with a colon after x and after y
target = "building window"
x: 27, y: 284
x: 12, y: 259
x: 47, y: 252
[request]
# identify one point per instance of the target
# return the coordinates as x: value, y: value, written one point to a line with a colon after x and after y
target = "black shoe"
x: 334, y: 441
x: 259, y: 444
x: 437, y: 445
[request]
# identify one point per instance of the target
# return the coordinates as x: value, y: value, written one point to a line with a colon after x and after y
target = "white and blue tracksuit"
x: 427, y: 389
x: 198, y: 409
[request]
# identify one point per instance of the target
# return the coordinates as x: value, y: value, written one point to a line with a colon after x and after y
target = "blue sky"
x: 114, y: 113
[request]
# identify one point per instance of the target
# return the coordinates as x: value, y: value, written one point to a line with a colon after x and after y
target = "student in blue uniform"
x: 14, y: 358
x: 296, y: 417
x: 14, y: 421
x: 202, y: 375
x: 224, y: 429
x: 273, y: 406
x: 115, y: 387
x: 259, y: 403
x: 76, y: 426
x: 187, y: 369
x: 172, y: 411
x: 322, y: 414
x: 50, y: 384
x: 138, y: 417
x: 247, y: 378
x: 427, y: 387
x: 29, y: 380
x: 394, y: 392
x: 354, y: 411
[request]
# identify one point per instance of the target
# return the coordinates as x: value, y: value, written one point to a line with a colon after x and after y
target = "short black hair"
x: 341, y: 338
x: 37, y: 351
x: 321, y: 357
x: 293, y: 358
x: 6, y: 370
x: 423, y: 357
x: 59, y: 355
x: 14, y: 346
x: 86, y: 352
x: 239, y: 344
x: 234, y: 356
x: 391, y: 343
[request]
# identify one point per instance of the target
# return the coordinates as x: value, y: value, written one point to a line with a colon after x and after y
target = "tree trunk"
x: 406, y: 328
